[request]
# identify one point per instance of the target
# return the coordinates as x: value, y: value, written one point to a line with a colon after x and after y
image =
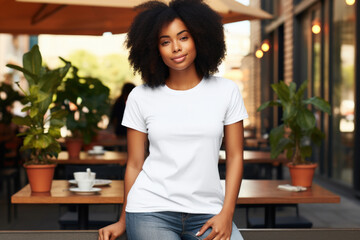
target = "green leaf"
x: 55, y: 132
x: 282, y: 90
x: 57, y: 123
x: 42, y: 142
x: 32, y: 61
x: 280, y: 147
x: 317, y: 136
x: 33, y: 112
x: 269, y: 104
x: 292, y: 89
x: 300, y: 93
x: 42, y: 96
x: 22, y: 120
x: 319, y: 103
x: 32, y: 78
x: 305, y: 119
x: 25, y: 109
x: 289, y: 111
x: 59, y: 114
x: 28, y: 141
x: 276, y: 134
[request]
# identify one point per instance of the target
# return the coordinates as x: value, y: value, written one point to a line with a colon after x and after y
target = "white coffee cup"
x: 98, y: 148
x: 84, y: 176
x: 85, y: 184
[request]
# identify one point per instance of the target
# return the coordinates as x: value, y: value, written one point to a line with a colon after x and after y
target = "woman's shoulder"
x: 221, y: 83
x: 143, y: 91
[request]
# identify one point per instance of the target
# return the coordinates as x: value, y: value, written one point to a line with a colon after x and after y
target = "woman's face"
x: 176, y: 46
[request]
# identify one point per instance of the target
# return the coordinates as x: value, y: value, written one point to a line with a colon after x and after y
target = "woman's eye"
x: 164, y: 43
x: 184, y: 38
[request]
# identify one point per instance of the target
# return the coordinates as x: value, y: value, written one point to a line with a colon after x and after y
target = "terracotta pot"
x: 302, y: 175
x: 73, y: 146
x: 40, y: 177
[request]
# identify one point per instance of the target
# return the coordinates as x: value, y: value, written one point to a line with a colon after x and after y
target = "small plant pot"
x: 302, y: 175
x: 73, y: 146
x: 40, y: 177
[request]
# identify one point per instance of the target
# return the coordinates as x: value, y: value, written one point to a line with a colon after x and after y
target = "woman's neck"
x: 183, y: 80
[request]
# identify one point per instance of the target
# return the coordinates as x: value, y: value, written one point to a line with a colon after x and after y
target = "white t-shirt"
x: 185, y: 130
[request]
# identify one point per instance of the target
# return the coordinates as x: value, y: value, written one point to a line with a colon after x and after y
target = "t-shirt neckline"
x: 173, y: 91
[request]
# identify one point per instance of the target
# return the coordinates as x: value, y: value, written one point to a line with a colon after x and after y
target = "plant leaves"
x: 280, y: 147
x: 319, y: 103
x: 55, y: 132
x: 28, y: 75
x: 27, y: 143
x: 268, y: 104
x: 42, y: 141
x: 305, y: 119
x: 32, y: 62
x: 276, y: 134
x: 26, y: 121
x: 33, y: 112
x: 317, y: 136
x: 282, y: 90
x: 59, y: 114
x: 305, y: 151
x: 300, y: 93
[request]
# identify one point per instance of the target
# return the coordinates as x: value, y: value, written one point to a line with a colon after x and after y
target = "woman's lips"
x: 179, y: 59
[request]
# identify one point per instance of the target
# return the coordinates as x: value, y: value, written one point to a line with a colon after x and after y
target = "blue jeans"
x: 169, y: 226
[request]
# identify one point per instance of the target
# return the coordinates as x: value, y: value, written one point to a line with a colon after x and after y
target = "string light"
x: 350, y: 2
x: 259, y: 53
x: 265, y: 46
x: 316, y: 29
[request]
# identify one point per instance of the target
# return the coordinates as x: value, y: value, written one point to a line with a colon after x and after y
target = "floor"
x: 343, y: 215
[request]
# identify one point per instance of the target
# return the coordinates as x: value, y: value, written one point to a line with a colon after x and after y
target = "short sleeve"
x: 236, y: 109
x: 133, y: 117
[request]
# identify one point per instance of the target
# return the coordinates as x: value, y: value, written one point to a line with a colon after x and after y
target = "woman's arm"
x: 234, y: 145
x: 136, y: 152
x: 221, y: 224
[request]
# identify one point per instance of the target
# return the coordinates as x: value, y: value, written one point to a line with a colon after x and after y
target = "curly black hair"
x: 203, y: 23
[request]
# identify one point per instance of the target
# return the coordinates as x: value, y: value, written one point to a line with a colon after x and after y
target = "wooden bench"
x: 248, y: 234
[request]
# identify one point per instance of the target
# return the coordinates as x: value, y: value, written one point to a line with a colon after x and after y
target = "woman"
x: 183, y: 111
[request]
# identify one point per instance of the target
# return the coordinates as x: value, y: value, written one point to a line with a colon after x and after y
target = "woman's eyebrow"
x: 167, y: 36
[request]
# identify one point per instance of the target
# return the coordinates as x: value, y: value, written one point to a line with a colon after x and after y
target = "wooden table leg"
x: 270, y: 217
x: 83, y: 216
x: 279, y: 172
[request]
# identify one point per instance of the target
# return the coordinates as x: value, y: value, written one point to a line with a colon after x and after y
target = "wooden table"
x: 110, y: 157
x: 60, y: 194
x: 261, y: 157
x: 252, y: 192
x: 265, y: 192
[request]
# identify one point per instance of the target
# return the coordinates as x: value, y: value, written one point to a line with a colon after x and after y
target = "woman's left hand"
x: 221, y: 226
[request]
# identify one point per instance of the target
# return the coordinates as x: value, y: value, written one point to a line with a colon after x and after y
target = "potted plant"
x: 298, y: 130
x: 86, y: 101
x: 42, y: 126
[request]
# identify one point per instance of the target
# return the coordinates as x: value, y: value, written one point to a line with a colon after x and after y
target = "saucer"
x: 84, y: 192
x: 98, y: 182
x: 93, y: 152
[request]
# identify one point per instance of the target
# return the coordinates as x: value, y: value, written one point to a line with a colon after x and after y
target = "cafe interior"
x: 311, y: 45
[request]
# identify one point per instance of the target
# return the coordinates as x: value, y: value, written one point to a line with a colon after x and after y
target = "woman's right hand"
x: 112, y: 231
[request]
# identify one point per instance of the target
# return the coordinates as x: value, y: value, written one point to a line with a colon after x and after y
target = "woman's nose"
x: 176, y: 47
